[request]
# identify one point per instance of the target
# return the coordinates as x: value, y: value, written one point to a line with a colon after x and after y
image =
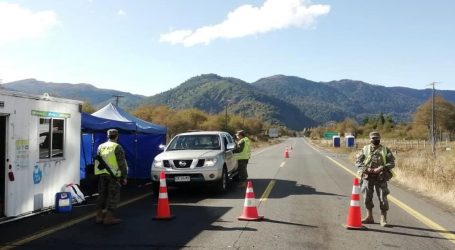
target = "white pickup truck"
x: 197, y: 157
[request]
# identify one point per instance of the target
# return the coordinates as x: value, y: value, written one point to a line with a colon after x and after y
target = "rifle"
x: 103, y: 165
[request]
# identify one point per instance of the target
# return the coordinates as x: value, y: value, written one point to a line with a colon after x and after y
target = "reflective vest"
x: 368, y: 154
x: 246, y: 152
x: 107, y: 151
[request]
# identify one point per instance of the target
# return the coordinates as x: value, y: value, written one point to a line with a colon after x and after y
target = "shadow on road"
x: 422, y: 229
x: 281, y: 189
x: 288, y: 223
x: 409, y: 234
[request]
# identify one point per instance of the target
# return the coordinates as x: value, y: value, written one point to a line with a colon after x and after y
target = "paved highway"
x: 304, y: 199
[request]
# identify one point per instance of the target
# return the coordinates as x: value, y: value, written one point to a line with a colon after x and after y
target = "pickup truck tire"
x: 155, y: 187
x: 222, y: 184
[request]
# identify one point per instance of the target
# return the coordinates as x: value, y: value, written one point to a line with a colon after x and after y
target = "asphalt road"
x: 304, y: 199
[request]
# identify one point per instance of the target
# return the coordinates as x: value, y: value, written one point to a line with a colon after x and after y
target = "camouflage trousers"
x: 382, y: 191
x: 109, y: 193
x: 243, y: 173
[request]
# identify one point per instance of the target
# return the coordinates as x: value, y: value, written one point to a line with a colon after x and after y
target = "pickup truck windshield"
x: 195, y: 142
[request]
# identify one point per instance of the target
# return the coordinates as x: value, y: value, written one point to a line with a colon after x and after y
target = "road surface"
x: 304, y: 200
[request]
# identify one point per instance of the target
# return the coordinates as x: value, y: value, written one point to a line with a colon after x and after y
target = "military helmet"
x: 375, y: 134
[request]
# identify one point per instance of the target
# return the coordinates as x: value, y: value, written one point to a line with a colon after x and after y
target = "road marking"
x: 422, y: 218
x: 46, y: 232
x: 267, y: 191
x: 265, y: 149
x: 282, y: 164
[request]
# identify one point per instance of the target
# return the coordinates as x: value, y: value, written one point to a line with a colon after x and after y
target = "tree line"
x: 183, y: 120
x: 418, y: 128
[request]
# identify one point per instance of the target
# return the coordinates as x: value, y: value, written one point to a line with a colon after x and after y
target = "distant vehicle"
x: 273, y: 133
x: 197, y: 157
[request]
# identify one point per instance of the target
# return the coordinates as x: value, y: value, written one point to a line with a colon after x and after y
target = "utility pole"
x: 117, y: 98
x: 433, y: 121
x: 226, y: 114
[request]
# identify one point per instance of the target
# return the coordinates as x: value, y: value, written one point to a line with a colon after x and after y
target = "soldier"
x: 242, y: 153
x: 375, y: 163
x: 111, y: 176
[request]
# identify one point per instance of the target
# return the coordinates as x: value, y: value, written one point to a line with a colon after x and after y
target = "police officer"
x: 242, y: 153
x: 110, y: 181
x: 375, y: 163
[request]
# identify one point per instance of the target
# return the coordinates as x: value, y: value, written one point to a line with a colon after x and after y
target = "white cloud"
x: 121, y: 12
x: 249, y: 20
x: 17, y: 23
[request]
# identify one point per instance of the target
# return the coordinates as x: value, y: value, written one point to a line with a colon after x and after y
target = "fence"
x: 397, y: 145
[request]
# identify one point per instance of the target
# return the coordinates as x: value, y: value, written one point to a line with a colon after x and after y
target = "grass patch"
x: 416, y: 168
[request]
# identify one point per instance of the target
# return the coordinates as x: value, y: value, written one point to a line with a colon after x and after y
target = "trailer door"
x: 3, y: 163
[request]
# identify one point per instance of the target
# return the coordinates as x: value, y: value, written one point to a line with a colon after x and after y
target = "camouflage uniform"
x: 375, y: 163
x: 108, y: 187
x: 373, y: 181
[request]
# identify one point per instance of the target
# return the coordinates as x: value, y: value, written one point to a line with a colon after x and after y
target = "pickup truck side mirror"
x: 162, y: 147
x: 230, y: 146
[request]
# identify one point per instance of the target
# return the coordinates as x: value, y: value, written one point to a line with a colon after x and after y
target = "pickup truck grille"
x: 200, y: 163
x: 182, y: 163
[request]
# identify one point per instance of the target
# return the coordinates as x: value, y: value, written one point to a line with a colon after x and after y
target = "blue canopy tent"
x: 139, y: 139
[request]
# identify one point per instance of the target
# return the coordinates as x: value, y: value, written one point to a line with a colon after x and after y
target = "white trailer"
x: 39, y: 150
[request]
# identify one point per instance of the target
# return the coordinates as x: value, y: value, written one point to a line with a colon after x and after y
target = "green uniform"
x: 373, y: 157
x: 108, y: 187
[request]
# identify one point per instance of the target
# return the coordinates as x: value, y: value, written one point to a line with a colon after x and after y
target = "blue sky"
x: 150, y: 46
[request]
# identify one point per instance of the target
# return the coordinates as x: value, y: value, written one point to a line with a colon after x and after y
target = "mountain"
x: 212, y: 93
x: 336, y: 100
x: 288, y: 100
x: 82, y: 91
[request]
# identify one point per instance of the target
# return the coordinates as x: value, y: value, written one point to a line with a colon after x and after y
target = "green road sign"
x: 329, y: 134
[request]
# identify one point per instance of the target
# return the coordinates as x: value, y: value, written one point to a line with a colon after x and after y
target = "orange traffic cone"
x: 286, y: 153
x: 354, y: 221
x: 163, y: 211
x: 250, y: 211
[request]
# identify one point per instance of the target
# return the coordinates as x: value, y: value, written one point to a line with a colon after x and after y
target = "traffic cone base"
x: 354, y: 220
x: 258, y: 218
x: 250, y: 212
x: 163, y: 211
x: 170, y: 217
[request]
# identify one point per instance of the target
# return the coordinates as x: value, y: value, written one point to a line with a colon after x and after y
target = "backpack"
x: 76, y: 193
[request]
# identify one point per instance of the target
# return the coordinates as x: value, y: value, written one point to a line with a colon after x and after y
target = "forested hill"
x: 291, y: 101
x: 213, y: 93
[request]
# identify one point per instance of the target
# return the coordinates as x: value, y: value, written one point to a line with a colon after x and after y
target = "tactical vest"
x: 246, y: 152
x: 107, y: 151
x: 368, y: 154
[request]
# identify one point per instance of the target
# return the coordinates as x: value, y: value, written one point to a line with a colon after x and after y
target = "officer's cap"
x: 240, y: 132
x: 112, y: 132
x: 375, y: 135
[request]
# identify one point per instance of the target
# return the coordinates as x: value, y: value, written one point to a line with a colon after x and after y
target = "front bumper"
x: 201, y: 175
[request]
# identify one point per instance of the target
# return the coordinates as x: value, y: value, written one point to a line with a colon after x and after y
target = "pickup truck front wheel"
x: 223, y: 182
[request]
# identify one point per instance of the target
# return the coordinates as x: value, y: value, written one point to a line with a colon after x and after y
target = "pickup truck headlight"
x: 210, y: 162
x: 157, y: 164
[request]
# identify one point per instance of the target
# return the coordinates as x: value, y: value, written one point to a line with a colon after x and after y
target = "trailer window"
x: 52, y: 134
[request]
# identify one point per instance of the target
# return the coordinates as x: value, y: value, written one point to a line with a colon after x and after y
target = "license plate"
x: 181, y: 178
